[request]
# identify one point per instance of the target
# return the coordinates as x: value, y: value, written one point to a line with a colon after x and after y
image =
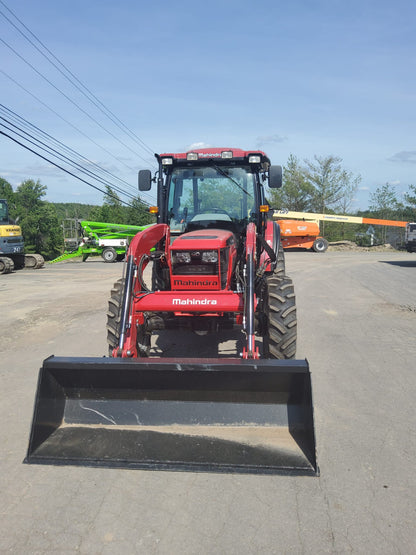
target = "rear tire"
x: 113, y: 322
x: 279, y: 320
x: 320, y: 245
x: 109, y: 255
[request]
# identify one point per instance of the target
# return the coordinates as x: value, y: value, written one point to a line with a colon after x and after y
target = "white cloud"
x: 407, y: 156
x: 195, y: 146
x: 267, y: 139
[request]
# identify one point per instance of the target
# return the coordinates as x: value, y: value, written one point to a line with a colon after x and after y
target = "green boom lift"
x: 84, y: 238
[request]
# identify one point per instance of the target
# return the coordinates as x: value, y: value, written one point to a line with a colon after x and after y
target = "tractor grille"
x: 192, y: 263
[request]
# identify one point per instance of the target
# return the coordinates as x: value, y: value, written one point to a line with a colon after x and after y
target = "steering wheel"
x: 215, y: 211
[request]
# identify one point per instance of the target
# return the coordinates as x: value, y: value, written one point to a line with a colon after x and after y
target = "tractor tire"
x: 279, y: 328
x: 320, y: 245
x: 109, y: 255
x: 113, y: 322
x: 280, y: 268
x: 34, y: 261
x: 6, y: 265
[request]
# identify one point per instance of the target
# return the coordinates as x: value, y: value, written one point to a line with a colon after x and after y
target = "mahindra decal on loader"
x: 217, y: 263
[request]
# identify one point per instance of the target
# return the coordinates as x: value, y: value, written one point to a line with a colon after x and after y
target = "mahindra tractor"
x: 218, y: 260
x: 213, y: 261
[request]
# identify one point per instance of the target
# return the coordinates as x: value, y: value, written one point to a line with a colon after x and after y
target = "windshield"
x: 4, y: 216
x: 209, y: 196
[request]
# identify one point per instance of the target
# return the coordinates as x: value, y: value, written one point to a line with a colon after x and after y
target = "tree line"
x: 41, y: 221
x: 322, y: 185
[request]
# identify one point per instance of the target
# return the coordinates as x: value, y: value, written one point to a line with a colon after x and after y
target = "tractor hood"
x: 204, y: 239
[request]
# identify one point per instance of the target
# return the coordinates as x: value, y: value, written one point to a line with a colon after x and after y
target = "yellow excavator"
x: 12, y: 247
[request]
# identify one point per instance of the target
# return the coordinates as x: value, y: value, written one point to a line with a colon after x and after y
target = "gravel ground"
x: 357, y: 320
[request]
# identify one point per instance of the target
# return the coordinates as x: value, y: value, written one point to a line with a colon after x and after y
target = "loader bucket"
x: 217, y: 415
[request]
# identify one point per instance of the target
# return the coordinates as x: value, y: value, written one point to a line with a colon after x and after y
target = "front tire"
x: 279, y: 327
x: 113, y: 322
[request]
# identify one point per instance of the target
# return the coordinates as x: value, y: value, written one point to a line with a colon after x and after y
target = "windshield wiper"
x: 222, y: 172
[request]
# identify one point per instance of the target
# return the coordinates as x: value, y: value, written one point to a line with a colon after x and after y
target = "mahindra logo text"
x: 194, y: 301
x: 195, y: 282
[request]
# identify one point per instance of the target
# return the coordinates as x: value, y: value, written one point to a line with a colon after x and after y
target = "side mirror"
x: 145, y: 180
x: 275, y: 177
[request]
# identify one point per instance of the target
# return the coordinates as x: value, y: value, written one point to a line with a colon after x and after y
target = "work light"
x: 254, y: 159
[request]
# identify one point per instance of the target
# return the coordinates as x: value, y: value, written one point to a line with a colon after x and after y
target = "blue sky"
x: 301, y: 77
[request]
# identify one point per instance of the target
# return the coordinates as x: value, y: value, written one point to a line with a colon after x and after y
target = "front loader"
x: 216, y: 263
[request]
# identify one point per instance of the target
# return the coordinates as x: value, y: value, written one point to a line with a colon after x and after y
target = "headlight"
x: 167, y: 161
x: 181, y: 257
x: 210, y: 256
x: 192, y: 156
x: 254, y: 159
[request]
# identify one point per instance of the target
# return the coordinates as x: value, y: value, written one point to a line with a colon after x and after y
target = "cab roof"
x: 218, y: 154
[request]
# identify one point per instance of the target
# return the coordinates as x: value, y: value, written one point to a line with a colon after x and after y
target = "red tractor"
x: 218, y: 259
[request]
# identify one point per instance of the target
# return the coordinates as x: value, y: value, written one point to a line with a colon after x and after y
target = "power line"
x: 54, y: 152
x: 50, y: 150
x: 70, y: 100
x: 81, y: 88
x: 66, y: 121
x: 22, y: 121
x: 62, y: 168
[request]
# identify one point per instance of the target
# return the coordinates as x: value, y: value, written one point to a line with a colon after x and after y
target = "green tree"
x: 384, y: 201
x: 384, y: 205
x: 38, y: 220
x: 6, y: 192
x: 296, y: 193
x: 329, y: 181
x: 410, y: 199
x: 138, y: 213
x: 113, y: 211
x: 333, y: 185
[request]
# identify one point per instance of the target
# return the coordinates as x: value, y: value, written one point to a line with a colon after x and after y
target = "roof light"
x: 153, y: 209
x: 192, y: 156
x: 227, y: 154
x: 254, y: 159
x: 167, y: 161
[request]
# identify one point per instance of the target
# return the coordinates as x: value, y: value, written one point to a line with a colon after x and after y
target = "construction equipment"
x: 217, y: 263
x: 12, y: 247
x: 302, y: 234
x: 302, y: 229
x: 410, y: 237
x: 84, y: 238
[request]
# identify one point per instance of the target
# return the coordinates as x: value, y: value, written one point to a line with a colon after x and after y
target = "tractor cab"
x: 212, y: 189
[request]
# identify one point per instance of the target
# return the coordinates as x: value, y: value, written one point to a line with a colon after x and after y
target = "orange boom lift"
x: 302, y: 229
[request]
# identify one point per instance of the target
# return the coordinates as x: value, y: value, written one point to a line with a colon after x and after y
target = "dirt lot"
x: 357, y: 320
